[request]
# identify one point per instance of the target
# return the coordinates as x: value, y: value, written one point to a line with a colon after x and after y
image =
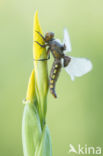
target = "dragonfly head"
x: 49, y: 36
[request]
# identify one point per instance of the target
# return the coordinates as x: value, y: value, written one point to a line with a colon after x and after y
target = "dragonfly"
x: 74, y: 66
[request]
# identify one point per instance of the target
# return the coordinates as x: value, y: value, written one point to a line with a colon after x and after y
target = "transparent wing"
x: 67, y: 41
x: 78, y: 67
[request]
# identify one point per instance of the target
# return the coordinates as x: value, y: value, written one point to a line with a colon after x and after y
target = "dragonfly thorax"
x: 57, y: 48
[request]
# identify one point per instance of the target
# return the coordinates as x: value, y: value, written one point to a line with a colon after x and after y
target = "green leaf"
x: 31, y: 130
x: 45, y: 147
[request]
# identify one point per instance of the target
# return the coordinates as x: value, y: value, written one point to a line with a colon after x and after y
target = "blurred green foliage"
x: 76, y: 116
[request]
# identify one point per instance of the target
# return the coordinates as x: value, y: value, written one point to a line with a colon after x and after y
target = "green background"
x: 76, y: 117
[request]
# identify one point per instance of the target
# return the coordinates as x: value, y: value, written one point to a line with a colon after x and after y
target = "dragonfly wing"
x: 78, y: 67
x: 67, y: 41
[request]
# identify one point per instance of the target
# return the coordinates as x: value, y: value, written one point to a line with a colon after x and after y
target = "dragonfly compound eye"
x: 49, y: 36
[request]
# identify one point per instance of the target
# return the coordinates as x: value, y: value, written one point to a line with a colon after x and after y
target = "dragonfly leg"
x: 43, y: 46
x: 40, y: 35
x: 48, y: 53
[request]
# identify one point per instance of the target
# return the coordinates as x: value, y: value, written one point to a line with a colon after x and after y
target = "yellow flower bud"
x: 41, y: 72
x: 37, y: 50
x: 31, y: 89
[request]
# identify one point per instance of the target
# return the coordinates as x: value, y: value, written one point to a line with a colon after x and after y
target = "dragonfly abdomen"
x: 56, y: 67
